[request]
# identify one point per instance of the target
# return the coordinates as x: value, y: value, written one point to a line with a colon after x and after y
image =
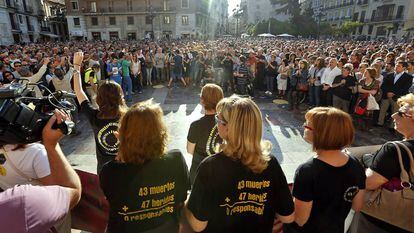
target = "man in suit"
x: 394, y: 86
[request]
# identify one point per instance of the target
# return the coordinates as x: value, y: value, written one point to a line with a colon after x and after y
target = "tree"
x: 348, y: 27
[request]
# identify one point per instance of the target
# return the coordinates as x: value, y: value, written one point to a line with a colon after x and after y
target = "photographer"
x: 28, y: 208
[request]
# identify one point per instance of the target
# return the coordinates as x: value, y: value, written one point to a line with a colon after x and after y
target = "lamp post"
x: 151, y: 16
x: 237, y: 13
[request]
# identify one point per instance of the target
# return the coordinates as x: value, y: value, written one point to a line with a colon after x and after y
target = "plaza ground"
x: 181, y: 107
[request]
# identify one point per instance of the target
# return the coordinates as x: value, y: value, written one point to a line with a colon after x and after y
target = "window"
x: 132, y: 36
x: 96, y: 35
x: 110, y: 5
x: 93, y: 6
x: 184, y: 20
x: 129, y: 5
x: 148, y: 19
x: 20, y: 19
x: 400, y: 12
x: 166, y: 5
x: 76, y: 22
x: 112, y: 21
x: 75, y: 6
x: 370, y: 29
x: 185, y: 4
x: 113, y: 36
x: 94, y: 21
x: 348, y: 14
x: 166, y: 19
x: 130, y: 20
x: 362, y: 16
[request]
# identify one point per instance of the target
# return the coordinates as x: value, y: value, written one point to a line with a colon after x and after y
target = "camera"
x: 23, y: 117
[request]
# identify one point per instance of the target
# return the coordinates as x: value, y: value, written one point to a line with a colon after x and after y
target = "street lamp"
x: 237, y: 13
x: 151, y: 16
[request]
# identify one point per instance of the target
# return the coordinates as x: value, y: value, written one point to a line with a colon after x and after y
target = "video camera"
x: 23, y: 117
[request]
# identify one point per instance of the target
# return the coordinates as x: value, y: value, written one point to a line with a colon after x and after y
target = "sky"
x: 232, y: 5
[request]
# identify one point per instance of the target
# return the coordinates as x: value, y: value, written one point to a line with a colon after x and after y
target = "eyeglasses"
x: 220, y: 121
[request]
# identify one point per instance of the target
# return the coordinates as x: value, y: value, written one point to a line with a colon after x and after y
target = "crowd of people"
x: 235, y: 184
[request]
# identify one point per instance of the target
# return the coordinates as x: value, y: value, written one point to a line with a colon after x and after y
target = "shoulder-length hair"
x: 211, y: 94
x: 332, y: 129
x: 143, y: 135
x: 110, y: 101
x: 244, y: 141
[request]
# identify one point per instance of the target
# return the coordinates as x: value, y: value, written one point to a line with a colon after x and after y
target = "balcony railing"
x: 385, y: 18
x: 45, y: 29
x: 362, y: 2
x: 123, y: 10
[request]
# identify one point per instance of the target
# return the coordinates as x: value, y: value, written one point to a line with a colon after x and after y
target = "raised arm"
x: 80, y: 94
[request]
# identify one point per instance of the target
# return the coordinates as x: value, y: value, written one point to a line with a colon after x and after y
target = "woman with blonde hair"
x: 104, y: 120
x: 242, y: 188
x: 203, y: 136
x: 147, y: 185
x: 331, y: 182
x: 385, y: 170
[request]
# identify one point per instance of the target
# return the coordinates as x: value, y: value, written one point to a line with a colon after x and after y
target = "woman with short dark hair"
x: 328, y: 185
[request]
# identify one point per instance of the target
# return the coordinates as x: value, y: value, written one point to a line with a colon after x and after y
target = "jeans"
x: 315, y: 95
x: 136, y: 83
x: 269, y: 82
x: 340, y: 103
x: 385, y: 105
x: 160, y: 75
x: 149, y: 74
x: 326, y: 97
x: 127, y: 88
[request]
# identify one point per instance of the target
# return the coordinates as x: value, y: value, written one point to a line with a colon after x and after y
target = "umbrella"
x: 285, y: 35
x: 266, y: 35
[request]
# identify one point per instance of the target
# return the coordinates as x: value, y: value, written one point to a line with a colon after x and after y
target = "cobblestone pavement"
x: 180, y: 105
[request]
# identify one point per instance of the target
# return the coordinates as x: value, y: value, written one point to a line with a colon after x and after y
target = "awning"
x: 51, y: 35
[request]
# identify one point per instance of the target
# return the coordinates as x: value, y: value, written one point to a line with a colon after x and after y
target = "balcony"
x: 30, y: 28
x: 44, y: 29
x: 362, y: 2
x: 11, y: 4
x: 385, y: 18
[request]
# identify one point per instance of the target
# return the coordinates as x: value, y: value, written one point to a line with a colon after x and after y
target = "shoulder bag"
x: 395, y: 206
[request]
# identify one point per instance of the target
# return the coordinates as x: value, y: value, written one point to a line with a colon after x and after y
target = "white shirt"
x: 329, y: 75
x: 397, y: 76
x: 32, y: 161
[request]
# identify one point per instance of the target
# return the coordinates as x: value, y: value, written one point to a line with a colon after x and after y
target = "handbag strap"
x: 410, y: 156
x: 404, y: 175
x: 20, y: 173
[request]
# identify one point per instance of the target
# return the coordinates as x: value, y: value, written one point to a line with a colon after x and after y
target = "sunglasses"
x: 403, y: 114
x: 219, y: 121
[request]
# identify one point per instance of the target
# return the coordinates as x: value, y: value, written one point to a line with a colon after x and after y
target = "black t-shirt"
x: 385, y: 163
x: 204, y: 134
x: 144, y: 197
x: 270, y: 70
x: 234, y: 199
x: 104, y: 132
x: 343, y: 91
x: 331, y: 189
x: 260, y: 65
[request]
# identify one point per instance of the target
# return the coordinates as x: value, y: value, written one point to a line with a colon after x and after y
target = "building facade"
x: 137, y: 19
x: 381, y: 19
x: 19, y: 21
x: 259, y: 10
x: 53, y: 27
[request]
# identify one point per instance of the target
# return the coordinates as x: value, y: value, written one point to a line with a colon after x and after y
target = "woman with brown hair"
x: 203, y: 136
x: 147, y: 186
x: 242, y: 188
x: 329, y: 184
x: 104, y: 121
